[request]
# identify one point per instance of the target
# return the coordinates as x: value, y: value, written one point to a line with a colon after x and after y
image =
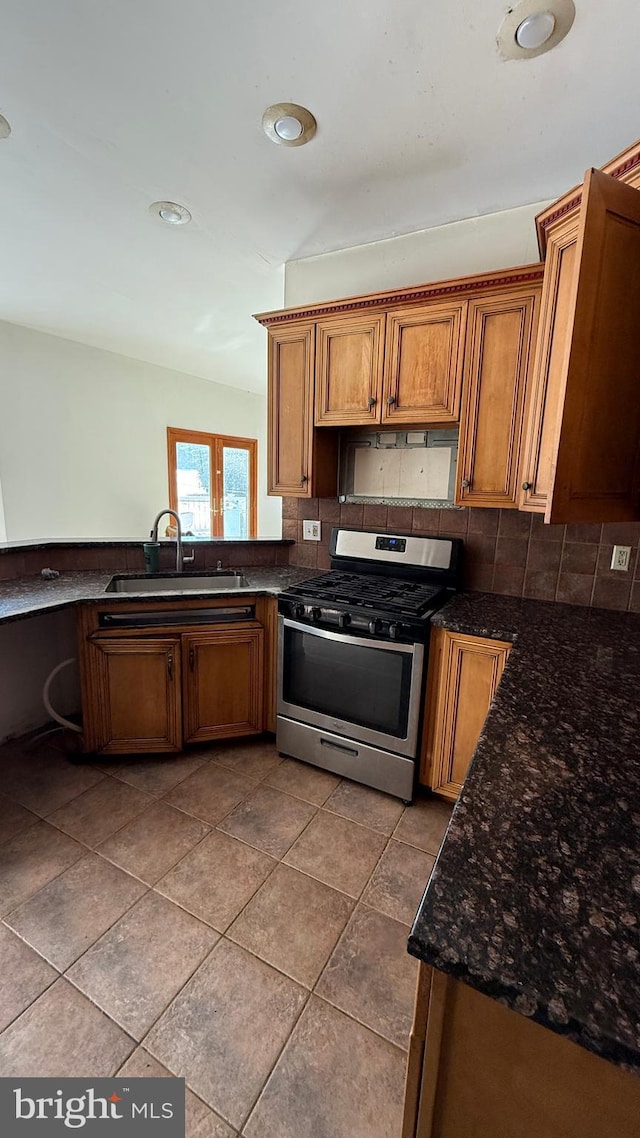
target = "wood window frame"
x: 216, y: 444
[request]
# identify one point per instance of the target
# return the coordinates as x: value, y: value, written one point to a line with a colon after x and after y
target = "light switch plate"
x: 311, y: 531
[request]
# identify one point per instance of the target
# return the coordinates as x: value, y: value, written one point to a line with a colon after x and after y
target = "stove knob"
x: 394, y: 631
x: 297, y: 611
x: 316, y: 614
x: 374, y: 627
x: 344, y: 620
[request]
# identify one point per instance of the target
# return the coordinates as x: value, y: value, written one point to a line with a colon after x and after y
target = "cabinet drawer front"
x: 349, y: 371
x: 290, y: 409
x: 497, y: 358
x: 423, y: 364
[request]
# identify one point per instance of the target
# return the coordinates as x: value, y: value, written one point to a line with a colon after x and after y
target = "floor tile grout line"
x: 45, y: 817
x: 307, y: 995
x: 63, y: 971
x: 165, y: 1007
x: 254, y: 1104
x: 367, y: 1026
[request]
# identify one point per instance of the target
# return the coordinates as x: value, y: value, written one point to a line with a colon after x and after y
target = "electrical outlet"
x: 311, y: 531
x: 621, y: 557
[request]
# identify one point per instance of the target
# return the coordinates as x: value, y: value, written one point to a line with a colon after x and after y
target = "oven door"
x: 363, y: 688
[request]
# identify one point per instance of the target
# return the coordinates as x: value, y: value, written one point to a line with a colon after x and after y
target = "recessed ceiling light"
x: 535, y: 30
x: 5, y: 127
x: 530, y: 28
x: 170, y: 212
x: 288, y: 124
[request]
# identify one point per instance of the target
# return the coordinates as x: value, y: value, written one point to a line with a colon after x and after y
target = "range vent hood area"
x: 412, y: 468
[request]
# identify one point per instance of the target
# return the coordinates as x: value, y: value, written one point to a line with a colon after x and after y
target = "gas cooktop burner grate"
x: 362, y: 590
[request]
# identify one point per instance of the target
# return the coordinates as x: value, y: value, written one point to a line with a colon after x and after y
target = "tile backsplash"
x: 505, y: 551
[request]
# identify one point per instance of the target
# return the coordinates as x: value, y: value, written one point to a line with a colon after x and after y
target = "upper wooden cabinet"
x: 423, y: 364
x: 388, y: 358
x: 299, y: 464
x: 500, y: 337
x: 349, y: 354
x: 464, y: 672
x: 582, y: 446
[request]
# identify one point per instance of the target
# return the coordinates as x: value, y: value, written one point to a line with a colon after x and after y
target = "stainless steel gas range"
x: 352, y: 654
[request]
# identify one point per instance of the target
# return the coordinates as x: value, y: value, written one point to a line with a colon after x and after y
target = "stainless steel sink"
x: 176, y: 583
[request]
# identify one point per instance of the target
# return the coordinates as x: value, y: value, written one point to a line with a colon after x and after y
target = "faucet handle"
x: 188, y: 558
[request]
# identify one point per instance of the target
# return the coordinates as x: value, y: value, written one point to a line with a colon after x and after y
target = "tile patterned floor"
x: 276, y: 978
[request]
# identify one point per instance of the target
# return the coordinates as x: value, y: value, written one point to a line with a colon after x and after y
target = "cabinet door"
x: 134, y: 702
x: 590, y: 469
x: 290, y: 409
x: 500, y: 333
x: 302, y: 463
x: 464, y: 672
x: 423, y: 364
x: 349, y: 370
x: 223, y: 683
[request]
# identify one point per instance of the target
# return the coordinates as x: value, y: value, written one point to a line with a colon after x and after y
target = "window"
x: 213, y: 483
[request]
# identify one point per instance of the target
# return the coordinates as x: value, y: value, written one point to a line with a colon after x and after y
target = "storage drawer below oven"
x: 369, y: 765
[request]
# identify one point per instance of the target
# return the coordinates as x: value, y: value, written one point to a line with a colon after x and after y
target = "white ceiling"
x: 117, y: 103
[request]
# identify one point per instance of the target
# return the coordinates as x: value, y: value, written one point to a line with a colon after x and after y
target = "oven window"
x: 363, y: 685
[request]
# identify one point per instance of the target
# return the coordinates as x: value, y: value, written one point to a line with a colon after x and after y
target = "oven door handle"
x: 347, y: 638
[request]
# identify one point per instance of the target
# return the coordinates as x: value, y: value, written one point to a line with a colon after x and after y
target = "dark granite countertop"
x: 27, y: 545
x: 28, y: 596
x: 535, y: 896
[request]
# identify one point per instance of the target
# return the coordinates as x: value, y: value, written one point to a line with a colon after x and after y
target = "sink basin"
x: 176, y: 583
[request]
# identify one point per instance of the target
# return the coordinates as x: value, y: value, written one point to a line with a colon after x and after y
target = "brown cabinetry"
x: 349, y: 370
x: 500, y: 337
x: 301, y: 463
x: 222, y: 684
x: 478, y: 1068
x: 136, y: 703
x: 581, y: 459
x: 464, y: 672
x: 423, y: 364
x: 153, y: 689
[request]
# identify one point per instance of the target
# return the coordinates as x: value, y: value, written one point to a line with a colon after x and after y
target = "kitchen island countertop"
x: 535, y: 896
x: 28, y: 596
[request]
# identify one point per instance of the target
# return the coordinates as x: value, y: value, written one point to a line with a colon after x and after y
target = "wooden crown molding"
x: 625, y: 167
x: 471, y: 286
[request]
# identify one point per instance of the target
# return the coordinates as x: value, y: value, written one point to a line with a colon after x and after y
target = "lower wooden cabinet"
x: 155, y: 690
x: 222, y: 684
x: 464, y: 672
x: 477, y: 1069
x: 136, y: 703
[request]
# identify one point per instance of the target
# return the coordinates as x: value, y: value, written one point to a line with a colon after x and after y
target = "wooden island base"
x: 479, y: 1070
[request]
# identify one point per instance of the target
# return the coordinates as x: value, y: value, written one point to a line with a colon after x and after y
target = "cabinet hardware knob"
x: 391, y: 400
x: 527, y: 485
x: 170, y: 665
x: 192, y: 658
x: 466, y: 484
x: 371, y: 401
x: 303, y: 479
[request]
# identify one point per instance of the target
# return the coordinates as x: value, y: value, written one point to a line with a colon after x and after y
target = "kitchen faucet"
x: 180, y: 556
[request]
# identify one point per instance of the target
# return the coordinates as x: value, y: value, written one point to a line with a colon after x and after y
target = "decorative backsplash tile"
x: 506, y: 551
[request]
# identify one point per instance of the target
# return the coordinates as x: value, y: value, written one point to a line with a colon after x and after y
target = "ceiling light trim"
x: 563, y: 12
x: 274, y: 116
x: 172, y: 213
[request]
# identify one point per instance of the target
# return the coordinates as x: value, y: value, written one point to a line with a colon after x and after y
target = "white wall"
x: 475, y: 245
x: 29, y: 650
x: 83, y: 449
